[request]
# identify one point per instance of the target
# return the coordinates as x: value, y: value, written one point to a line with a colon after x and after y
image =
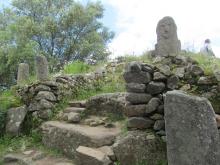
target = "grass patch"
x: 22, y: 143
x: 207, y: 63
x: 8, y: 99
x: 111, y: 84
x: 76, y: 68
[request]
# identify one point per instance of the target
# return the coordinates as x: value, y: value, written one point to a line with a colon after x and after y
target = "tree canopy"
x: 62, y: 30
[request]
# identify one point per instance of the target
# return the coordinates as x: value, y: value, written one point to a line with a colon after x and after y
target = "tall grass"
x: 208, y: 63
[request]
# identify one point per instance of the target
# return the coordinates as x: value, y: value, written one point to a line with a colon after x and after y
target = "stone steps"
x: 68, y: 137
x: 73, y: 109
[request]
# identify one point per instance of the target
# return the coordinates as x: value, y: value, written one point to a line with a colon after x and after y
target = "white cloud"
x: 137, y: 20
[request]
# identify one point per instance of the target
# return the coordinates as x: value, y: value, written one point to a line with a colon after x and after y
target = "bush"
x: 76, y: 68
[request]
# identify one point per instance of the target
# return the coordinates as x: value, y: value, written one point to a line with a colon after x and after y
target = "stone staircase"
x: 86, y: 141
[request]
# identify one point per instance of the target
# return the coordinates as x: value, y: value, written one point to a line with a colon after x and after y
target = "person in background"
x: 206, y: 49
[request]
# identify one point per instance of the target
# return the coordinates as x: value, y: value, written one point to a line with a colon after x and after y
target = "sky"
x: 134, y: 23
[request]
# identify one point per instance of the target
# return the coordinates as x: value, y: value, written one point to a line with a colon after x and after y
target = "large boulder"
x: 191, y: 129
x: 139, y: 147
x: 15, y: 119
x: 104, y: 104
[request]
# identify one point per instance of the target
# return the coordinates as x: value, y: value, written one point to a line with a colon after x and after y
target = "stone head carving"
x: 166, y: 28
x: 168, y: 43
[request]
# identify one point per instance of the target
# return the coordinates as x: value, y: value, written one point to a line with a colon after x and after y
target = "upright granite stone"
x: 168, y: 43
x: 42, y: 68
x: 23, y: 73
x: 15, y: 119
x: 191, y: 129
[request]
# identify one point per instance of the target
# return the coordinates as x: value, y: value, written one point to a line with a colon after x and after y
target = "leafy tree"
x: 65, y: 29
x: 62, y: 30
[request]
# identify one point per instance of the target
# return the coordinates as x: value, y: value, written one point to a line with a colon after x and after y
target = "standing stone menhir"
x: 42, y: 68
x: 23, y: 73
x: 191, y: 129
x: 168, y: 43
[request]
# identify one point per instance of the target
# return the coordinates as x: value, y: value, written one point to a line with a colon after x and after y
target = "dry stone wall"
x: 40, y: 98
x: 146, y: 85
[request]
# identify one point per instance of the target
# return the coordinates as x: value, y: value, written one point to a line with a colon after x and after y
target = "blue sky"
x: 135, y: 21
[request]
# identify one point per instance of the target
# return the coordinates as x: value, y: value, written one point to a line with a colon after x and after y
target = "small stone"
x: 150, y: 137
x: 28, y: 152
x: 88, y: 121
x: 142, y: 77
x: 46, y: 95
x: 135, y: 110
x: 74, y: 117
x: 156, y: 116
x: 109, y: 125
x: 180, y: 72
x: 41, y: 88
x: 161, y: 133
x: 165, y: 69
x: 139, y: 123
x: 147, y: 68
x: 138, y: 98
x: 108, y: 151
x: 159, y: 76
x: 159, y: 125
x: 46, y: 104
x: 205, y: 81
x: 153, y: 105
x: 134, y: 67
x: 172, y: 82
x: 136, y: 88
x: 196, y: 70
x: 155, y: 87
x: 185, y: 87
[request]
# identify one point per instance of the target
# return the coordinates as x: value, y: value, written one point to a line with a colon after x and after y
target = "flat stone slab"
x: 74, y: 110
x: 191, y: 129
x: 89, y: 156
x: 68, y: 137
x: 79, y: 104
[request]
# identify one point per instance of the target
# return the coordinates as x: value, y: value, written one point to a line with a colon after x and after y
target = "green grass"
x: 112, y: 83
x: 22, y: 143
x: 206, y: 62
x: 76, y: 68
x: 8, y: 99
